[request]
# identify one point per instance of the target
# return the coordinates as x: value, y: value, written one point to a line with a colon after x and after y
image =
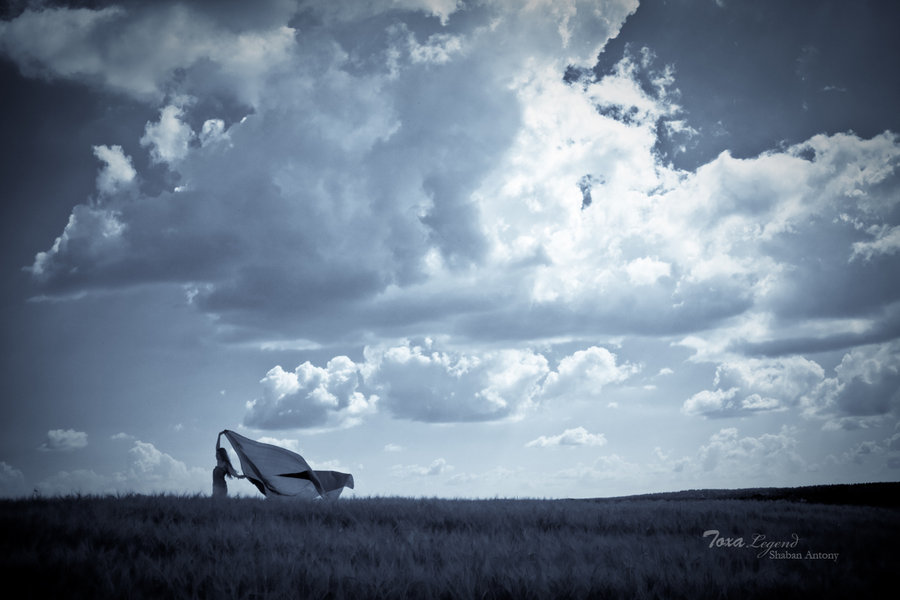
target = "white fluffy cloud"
x: 64, y: 440
x: 425, y: 382
x: 585, y: 372
x: 579, y: 436
x: 750, y: 385
x: 118, y: 172
x: 169, y: 138
x: 310, y: 396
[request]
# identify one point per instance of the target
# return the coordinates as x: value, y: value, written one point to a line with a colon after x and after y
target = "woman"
x: 223, y: 468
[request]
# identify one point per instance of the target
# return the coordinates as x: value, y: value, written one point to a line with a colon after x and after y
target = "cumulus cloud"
x: 585, y: 373
x: 425, y: 384
x: 118, y: 172
x: 64, y: 440
x: 728, y: 452
x: 579, y: 436
x: 865, y: 389
x: 752, y: 385
x: 430, y: 383
x: 645, y: 271
x: 169, y: 138
x: 149, y: 470
x: 310, y: 396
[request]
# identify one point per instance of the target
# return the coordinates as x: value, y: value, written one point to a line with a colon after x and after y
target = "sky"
x: 480, y: 248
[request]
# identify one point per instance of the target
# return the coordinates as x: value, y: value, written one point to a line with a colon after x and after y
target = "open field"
x: 640, y: 547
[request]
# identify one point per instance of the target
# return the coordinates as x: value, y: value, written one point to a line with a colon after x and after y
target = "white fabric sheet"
x: 278, y: 472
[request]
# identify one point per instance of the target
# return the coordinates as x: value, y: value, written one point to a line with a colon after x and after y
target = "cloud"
x: 748, y: 385
x: 884, y: 452
x: 12, y: 481
x: 117, y: 174
x: 579, y: 436
x: 149, y: 470
x: 864, y: 391
x: 169, y: 138
x: 294, y: 154
x: 291, y: 444
x: 212, y: 131
x: 726, y: 452
x: 57, y: 41
x: 886, y: 241
x: 448, y: 174
x: 430, y: 383
x: 310, y: 396
x: 137, y: 50
x: 438, y: 466
x: 64, y: 440
x: 585, y: 372
x: 423, y: 383
x: 590, y: 477
x: 646, y: 271
x: 709, y: 402
x: 93, y: 236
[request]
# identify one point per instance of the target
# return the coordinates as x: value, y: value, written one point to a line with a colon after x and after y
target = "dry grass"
x: 196, y: 547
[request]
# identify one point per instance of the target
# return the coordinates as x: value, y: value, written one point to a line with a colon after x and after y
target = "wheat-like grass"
x: 197, y: 547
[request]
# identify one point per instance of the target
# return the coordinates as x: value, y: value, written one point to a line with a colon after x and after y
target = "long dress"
x: 220, y: 488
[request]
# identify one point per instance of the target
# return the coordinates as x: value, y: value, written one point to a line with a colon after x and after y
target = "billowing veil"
x: 278, y: 472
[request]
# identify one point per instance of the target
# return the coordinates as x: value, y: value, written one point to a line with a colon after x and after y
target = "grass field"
x: 198, y: 547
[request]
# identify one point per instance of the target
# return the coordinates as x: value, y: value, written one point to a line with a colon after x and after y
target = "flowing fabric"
x: 278, y: 472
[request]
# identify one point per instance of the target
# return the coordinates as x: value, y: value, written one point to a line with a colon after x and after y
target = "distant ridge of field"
x: 884, y: 494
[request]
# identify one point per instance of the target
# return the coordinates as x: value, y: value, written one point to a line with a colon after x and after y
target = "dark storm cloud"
x: 752, y: 75
x: 300, y: 180
x: 337, y: 185
x: 882, y: 329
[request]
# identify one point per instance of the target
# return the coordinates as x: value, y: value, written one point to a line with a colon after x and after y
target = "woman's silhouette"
x: 223, y: 469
